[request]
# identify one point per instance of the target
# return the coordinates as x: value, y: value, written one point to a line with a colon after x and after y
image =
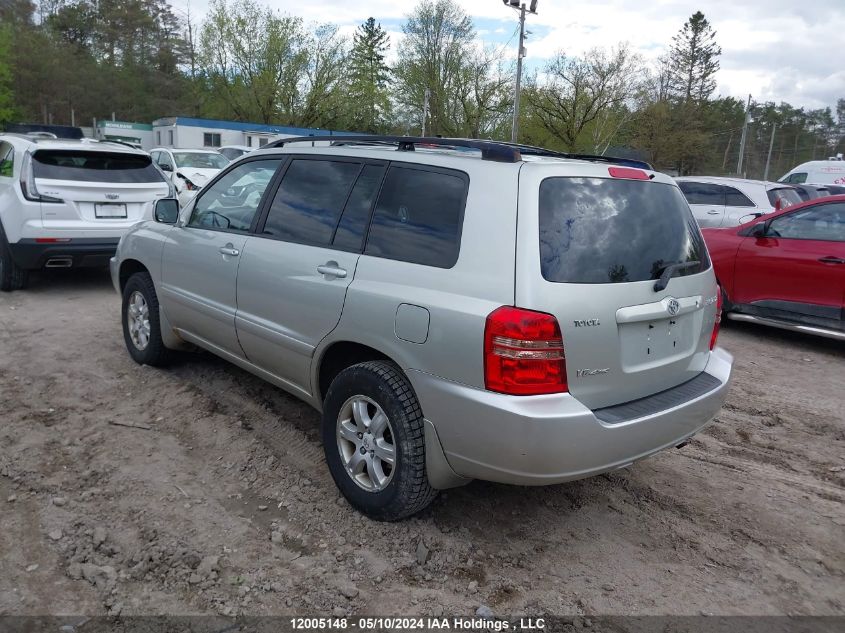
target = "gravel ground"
x: 218, y: 500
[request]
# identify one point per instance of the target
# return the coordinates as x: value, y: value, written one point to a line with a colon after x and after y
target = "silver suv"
x: 455, y: 309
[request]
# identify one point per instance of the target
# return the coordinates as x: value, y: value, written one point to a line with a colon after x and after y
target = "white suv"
x: 66, y: 203
x: 189, y: 169
x: 718, y: 201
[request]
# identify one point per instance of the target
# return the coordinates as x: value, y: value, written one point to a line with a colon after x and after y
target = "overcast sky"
x: 778, y: 50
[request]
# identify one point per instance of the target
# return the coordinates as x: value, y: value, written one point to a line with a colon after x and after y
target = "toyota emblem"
x: 673, y: 307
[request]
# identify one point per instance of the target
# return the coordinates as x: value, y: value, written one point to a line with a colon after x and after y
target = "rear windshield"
x: 200, y: 160
x: 782, y: 198
x: 601, y: 231
x: 91, y: 166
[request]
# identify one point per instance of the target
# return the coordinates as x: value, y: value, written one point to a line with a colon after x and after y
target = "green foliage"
x: 694, y: 60
x: 369, y: 91
x: 467, y: 88
x: 584, y: 100
x: 7, y: 111
x: 263, y: 66
x: 248, y: 62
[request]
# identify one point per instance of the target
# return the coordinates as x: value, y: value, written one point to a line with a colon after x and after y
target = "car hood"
x: 197, y: 176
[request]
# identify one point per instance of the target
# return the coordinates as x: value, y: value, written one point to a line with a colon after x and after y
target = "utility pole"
x: 426, y: 103
x: 532, y: 8
x: 742, y: 140
x: 769, y: 157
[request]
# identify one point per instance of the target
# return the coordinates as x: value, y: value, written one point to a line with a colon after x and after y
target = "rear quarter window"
x: 92, y: 166
x: 7, y: 159
x: 419, y: 216
x: 601, y: 230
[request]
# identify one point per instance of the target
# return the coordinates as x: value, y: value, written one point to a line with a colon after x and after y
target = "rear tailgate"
x: 97, y: 189
x: 589, y: 250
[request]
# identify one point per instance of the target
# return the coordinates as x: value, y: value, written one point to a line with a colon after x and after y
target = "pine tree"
x: 369, y: 75
x: 694, y: 61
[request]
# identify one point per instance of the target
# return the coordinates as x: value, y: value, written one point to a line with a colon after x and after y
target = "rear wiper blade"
x: 667, y: 270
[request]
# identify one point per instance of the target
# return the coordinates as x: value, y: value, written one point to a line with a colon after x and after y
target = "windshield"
x: 602, y: 230
x: 200, y: 160
x: 91, y: 166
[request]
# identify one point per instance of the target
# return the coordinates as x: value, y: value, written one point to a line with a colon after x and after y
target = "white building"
x: 190, y: 133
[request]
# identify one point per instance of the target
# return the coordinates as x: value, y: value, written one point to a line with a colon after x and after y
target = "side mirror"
x: 760, y: 230
x: 166, y: 167
x: 167, y: 211
x: 748, y: 217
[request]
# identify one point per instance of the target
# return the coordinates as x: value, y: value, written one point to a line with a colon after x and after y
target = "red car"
x: 785, y: 269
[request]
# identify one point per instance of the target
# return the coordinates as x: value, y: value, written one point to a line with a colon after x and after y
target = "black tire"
x: 154, y: 353
x: 408, y: 491
x: 12, y: 276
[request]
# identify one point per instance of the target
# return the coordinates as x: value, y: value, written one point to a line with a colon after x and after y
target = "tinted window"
x: 309, y: 201
x: 735, y: 198
x: 805, y: 193
x: 91, y: 166
x: 418, y: 217
x: 353, y: 222
x: 230, y: 203
x: 232, y: 153
x: 799, y: 178
x: 200, y: 160
x: 599, y: 230
x: 821, y: 222
x: 703, y: 193
x: 7, y: 159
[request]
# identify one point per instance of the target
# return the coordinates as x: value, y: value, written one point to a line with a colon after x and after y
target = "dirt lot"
x: 224, y: 505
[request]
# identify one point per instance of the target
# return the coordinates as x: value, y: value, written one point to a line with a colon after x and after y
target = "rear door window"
x: 600, y: 230
x: 703, y: 193
x: 93, y: 166
x: 418, y: 216
x: 309, y: 201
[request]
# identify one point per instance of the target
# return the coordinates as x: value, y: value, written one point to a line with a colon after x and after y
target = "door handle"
x: 229, y: 250
x: 713, y: 212
x: 331, y: 269
x: 830, y: 259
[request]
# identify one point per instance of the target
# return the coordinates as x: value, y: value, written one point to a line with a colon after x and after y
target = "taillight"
x: 718, y: 322
x: 28, y: 186
x: 523, y: 353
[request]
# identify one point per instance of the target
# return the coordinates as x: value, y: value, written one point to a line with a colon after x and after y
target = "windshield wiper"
x: 667, y: 270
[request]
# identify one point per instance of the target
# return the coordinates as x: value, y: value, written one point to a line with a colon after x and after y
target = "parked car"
x: 66, y: 203
x: 233, y: 152
x: 515, y: 316
x: 811, y: 192
x: 786, y: 269
x: 718, y: 201
x: 189, y: 169
x: 818, y: 172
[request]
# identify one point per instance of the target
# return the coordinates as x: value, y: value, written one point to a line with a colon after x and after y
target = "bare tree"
x: 586, y: 94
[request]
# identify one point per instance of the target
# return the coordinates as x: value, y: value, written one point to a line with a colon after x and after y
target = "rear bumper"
x: 540, y: 440
x: 76, y: 253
